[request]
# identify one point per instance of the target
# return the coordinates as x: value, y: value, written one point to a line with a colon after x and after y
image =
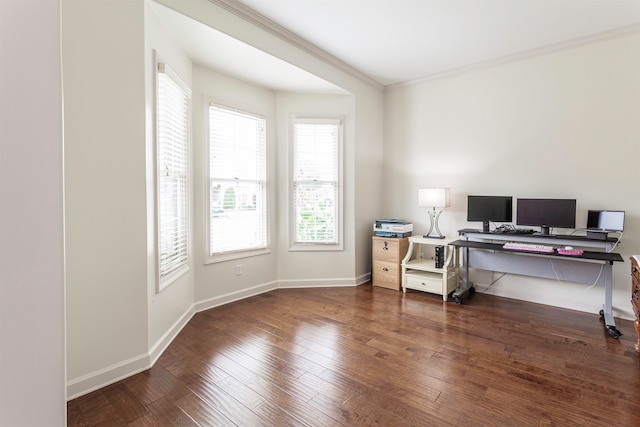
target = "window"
x: 172, y: 155
x: 317, y: 184
x: 237, y: 183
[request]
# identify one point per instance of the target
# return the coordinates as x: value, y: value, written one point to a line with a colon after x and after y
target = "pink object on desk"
x: 564, y: 251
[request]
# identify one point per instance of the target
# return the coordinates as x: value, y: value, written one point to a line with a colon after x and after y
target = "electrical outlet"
x: 238, y: 269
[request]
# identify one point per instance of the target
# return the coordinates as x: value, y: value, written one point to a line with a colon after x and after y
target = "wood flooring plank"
x: 155, y: 384
x: 201, y: 412
x: 307, y: 414
x: 266, y: 386
x: 225, y: 404
x: 97, y: 411
x: 277, y: 416
x: 360, y: 356
x: 169, y: 414
x: 149, y: 420
x: 124, y: 402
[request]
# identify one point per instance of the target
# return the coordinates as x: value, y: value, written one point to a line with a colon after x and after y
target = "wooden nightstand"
x: 635, y: 294
x: 426, y: 274
x: 387, y: 252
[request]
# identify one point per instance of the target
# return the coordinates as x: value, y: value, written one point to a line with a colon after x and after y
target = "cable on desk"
x: 492, y: 283
x: 616, y: 243
x: 554, y: 270
x: 597, y: 278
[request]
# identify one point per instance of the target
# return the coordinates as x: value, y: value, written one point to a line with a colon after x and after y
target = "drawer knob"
x: 385, y: 269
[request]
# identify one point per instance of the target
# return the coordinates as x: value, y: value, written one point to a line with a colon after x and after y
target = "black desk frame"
x: 484, y: 251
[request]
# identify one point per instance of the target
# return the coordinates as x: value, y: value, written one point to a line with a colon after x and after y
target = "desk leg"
x: 464, y: 286
x: 606, y: 311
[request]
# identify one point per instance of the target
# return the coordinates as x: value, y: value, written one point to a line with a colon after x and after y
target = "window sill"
x: 213, y: 259
x: 313, y: 247
x: 165, y: 282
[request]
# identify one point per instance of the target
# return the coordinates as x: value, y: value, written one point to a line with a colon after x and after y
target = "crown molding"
x: 262, y: 22
x: 532, y: 53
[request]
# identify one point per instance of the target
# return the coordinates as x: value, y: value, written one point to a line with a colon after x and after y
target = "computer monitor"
x: 489, y: 208
x: 605, y: 221
x: 546, y: 213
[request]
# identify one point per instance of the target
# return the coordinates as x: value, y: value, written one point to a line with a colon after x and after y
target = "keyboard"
x: 518, y: 246
x: 574, y: 252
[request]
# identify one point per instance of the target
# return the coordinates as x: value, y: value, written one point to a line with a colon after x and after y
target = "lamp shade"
x: 434, y: 197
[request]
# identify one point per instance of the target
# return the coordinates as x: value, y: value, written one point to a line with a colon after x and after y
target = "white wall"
x: 105, y: 200
x: 563, y: 124
x: 316, y: 268
x: 217, y: 282
x: 369, y: 196
x: 32, y: 353
x: 117, y: 322
x: 169, y: 309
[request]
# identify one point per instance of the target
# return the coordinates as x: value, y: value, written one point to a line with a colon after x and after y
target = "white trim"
x: 315, y: 246
x: 532, y: 53
x: 161, y: 67
x: 228, y: 256
x: 167, y: 280
x: 167, y: 338
x: 119, y: 371
x: 363, y: 278
x: 105, y: 376
x: 208, y: 102
x: 164, y: 68
x: 316, y: 283
x: 235, y: 296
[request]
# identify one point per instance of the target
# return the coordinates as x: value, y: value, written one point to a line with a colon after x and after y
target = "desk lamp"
x: 434, y: 198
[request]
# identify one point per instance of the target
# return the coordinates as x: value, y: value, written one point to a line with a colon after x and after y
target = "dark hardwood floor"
x: 371, y: 356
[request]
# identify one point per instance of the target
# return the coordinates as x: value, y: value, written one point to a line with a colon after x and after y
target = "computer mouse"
x: 568, y: 247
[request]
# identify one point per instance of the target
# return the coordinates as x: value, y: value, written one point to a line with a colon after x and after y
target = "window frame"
x: 212, y: 258
x: 163, y: 280
x: 294, y: 245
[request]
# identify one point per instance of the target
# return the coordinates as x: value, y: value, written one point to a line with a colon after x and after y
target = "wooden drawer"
x: 635, y: 288
x: 386, y: 255
x: 386, y: 274
x: 386, y: 249
x: 635, y: 297
x: 426, y: 282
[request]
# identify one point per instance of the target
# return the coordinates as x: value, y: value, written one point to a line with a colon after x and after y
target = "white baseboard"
x: 315, y: 283
x: 167, y: 338
x: 234, y: 296
x: 363, y: 279
x: 119, y: 371
x: 109, y: 375
x: 114, y: 373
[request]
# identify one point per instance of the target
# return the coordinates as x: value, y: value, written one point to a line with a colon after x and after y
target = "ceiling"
x: 398, y: 41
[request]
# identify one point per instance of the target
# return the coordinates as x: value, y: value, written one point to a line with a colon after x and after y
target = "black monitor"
x: 605, y: 221
x: 546, y: 213
x: 489, y: 208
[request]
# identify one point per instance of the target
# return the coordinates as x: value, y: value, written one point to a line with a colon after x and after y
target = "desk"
x: 484, y: 251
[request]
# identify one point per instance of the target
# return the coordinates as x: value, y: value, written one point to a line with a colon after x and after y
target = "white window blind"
x: 172, y: 175
x: 237, y: 180
x: 316, y: 181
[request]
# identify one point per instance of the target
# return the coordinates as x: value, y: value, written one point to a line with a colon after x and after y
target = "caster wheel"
x: 458, y: 300
x: 601, y: 313
x: 613, y: 332
x: 472, y: 290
